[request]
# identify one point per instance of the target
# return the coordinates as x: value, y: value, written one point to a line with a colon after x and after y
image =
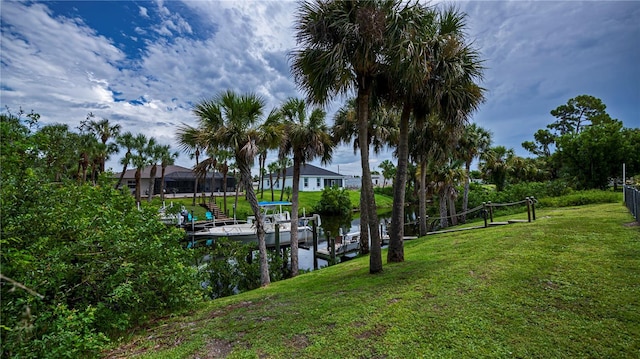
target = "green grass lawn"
x: 566, y: 285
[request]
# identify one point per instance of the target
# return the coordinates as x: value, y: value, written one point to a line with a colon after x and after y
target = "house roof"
x: 311, y: 171
x: 171, y: 172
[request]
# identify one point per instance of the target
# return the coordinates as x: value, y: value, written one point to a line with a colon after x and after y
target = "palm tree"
x: 341, y: 47
x: 284, y: 163
x: 190, y: 141
x: 273, y: 167
x: 432, y: 72
x: 140, y: 160
x: 382, y: 132
x: 273, y: 134
x: 388, y: 171
x: 475, y: 140
x: 167, y: 158
x: 104, y: 131
x: 306, y: 139
x: 230, y: 120
x: 154, y: 155
x: 495, y: 166
x: 126, y: 140
x: 223, y: 167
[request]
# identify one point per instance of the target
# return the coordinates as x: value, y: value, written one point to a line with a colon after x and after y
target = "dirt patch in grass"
x: 299, y: 341
x: 632, y: 224
x: 378, y: 331
x: 215, y: 348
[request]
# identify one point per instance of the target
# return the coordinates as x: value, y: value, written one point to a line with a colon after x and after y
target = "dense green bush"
x: 334, y: 201
x: 579, y: 198
x: 101, y: 264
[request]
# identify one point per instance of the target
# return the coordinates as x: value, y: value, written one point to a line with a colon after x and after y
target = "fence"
x: 485, y: 211
x: 632, y: 201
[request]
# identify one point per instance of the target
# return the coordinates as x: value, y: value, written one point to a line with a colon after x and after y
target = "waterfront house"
x: 177, y: 179
x: 312, y: 178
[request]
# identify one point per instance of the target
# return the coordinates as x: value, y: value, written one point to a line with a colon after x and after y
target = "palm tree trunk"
x: 465, y: 196
x: 271, y: 184
x: 124, y: 169
x: 422, y: 198
x: 138, y: 185
x: 162, y: 189
x: 245, y: 178
x: 152, y: 182
x: 364, y: 229
x: 370, y: 218
x: 396, y: 237
x: 452, y: 205
x: 224, y: 193
x: 284, y: 172
x: 442, y: 198
x: 294, y: 215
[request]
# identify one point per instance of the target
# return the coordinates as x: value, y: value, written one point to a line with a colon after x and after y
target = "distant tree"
x: 578, y: 110
x: 475, y: 140
x: 192, y: 142
x: 167, y: 158
x: 495, y: 165
x: 388, y: 171
x: 593, y: 156
x: 273, y: 167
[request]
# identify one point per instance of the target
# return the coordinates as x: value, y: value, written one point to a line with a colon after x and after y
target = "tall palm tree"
x: 341, y: 45
x: 433, y: 72
x: 306, y: 139
x: 230, y: 120
x: 475, y: 140
x: 382, y: 132
x: 190, y: 141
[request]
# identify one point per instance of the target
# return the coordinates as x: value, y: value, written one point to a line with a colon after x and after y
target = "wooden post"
x: 528, y: 208
x: 332, y: 248
x: 314, y: 227
x: 484, y: 213
x: 277, y: 235
x: 490, y: 211
x: 533, y: 207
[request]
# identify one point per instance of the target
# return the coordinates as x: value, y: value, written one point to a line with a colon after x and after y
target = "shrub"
x: 101, y: 264
x: 334, y: 201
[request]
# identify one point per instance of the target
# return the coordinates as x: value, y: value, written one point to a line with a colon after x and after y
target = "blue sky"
x: 143, y: 64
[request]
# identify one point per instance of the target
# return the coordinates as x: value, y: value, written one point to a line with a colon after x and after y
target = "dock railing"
x: 632, y: 200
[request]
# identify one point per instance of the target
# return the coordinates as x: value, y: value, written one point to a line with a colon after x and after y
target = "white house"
x: 312, y: 178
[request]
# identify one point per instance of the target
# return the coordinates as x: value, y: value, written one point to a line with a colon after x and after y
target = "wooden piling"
x: 484, y: 214
x: 490, y: 211
x: 528, y: 208
x: 314, y: 227
x: 277, y: 235
x: 533, y: 207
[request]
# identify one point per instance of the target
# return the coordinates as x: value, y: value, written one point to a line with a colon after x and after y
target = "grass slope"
x: 566, y: 285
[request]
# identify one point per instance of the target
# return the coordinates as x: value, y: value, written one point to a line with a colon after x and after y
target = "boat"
x: 273, y: 216
x: 344, y: 244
